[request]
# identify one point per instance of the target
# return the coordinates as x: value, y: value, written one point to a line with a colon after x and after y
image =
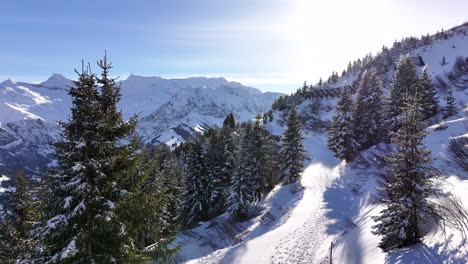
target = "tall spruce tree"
x: 293, y: 152
x: 229, y: 122
x: 164, y: 182
x: 195, y: 199
x: 241, y: 189
x: 404, y: 80
x: 367, y: 113
x: 21, y: 214
x: 215, y: 163
x: 229, y: 140
x: 450, y: 105
x: 409, y: 184
x: 98, y: 209
x: 428, y: 94
x: 340, y: 136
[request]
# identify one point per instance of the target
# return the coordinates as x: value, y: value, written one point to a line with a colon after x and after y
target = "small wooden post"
x: 331, y: 253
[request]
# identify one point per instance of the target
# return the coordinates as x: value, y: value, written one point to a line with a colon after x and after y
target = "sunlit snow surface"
x: 338, y: 201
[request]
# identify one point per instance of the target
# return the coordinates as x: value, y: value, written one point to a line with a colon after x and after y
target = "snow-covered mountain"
x: 328, y: 215
x: 169, y: 109
x: 195, y: 108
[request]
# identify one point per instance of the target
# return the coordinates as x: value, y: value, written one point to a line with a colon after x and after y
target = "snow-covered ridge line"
x: 170, y: 111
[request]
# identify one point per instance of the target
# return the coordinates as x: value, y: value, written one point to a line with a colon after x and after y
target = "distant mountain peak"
x: 8, y: 82
x: 57, y: 80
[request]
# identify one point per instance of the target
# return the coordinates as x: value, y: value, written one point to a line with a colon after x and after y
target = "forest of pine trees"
x: 112, y: 200
x: 371, y: 119
x: 230, y: 168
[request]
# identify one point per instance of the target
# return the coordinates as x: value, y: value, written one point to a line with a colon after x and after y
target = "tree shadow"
x: 421, y: 253
x: 342, y: 205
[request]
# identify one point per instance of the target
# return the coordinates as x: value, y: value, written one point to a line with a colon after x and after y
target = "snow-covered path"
x: 300, y: 239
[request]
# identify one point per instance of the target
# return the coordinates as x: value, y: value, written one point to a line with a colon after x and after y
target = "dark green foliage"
x: 99, y: 206
x: 450, y: 108
x: 218, y: 170
x: 21, y: 214
x: 241, y: 190
x: 165, y: 184
x: 409, y: 184
x: 340, y: 136
x: 367, y: 112
x: 195, y: 197
x: 428, y: 94
x: 227, y: 169
x: 293, y: 152
x: 403, y: 86
x: 443, y: 62
x: 229, y: 122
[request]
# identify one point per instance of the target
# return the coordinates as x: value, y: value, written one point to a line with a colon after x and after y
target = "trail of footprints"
x: 301, y: 245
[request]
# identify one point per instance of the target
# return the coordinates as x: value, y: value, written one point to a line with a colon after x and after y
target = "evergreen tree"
x: 428, y: 95
x: 450, y: 105
x: 229, y: 140
x: 443, y: 62
x: 409, y: 184
x: 229, y: 122
x: 217, y: 173
x: 172, y: 175
x: 293, y: 152
x: 404, y: 80
x: 367, y: 112
x: 261, y: 154
x: 195, y: 197
x: 165, y: 182
x: 340, y: 136
x: 20, y: 216
x: 272, y: 165
x: 240, y: 190
x: 98, y: 209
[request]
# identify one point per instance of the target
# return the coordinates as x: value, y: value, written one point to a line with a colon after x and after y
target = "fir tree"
x: 428, y: 95
x: 217, y: 173
x: 165, y: 183
x: 229, y: 122
x: 409, y: 184
x: 293, y: 152
x: 404, y: 80
x: 340, y: 137
x: 367, y: 113
x: 195, y: 197
x: 443, y: 62
x: 229, y: 140
x: 172, y: 175
x: 450, y: 105
x: 240, y: 189
x: 260, y: 151
x: 98, y: 210
x: 20, y: 216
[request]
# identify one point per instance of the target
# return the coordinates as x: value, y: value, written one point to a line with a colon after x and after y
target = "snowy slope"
x: 339, y: 199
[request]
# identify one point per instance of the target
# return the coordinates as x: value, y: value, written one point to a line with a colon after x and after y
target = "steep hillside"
x: 338, y: 199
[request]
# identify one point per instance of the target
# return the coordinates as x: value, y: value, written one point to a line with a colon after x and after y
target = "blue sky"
x: 270, y: 44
